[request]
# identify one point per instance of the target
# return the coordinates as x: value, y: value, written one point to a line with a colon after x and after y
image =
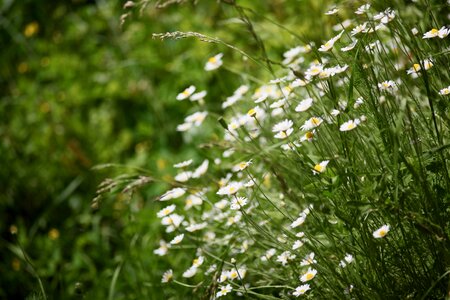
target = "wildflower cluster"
x: 317, y: 180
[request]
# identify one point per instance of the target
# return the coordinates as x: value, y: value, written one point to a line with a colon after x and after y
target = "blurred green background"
x: 80, y: 90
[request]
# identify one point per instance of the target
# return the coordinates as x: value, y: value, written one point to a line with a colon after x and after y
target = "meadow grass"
x: 325, y: 170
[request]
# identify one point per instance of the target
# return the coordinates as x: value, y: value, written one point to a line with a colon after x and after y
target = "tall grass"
x: 326, y: 174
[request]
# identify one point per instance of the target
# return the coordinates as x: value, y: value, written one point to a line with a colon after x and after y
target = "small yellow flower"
x: 53, y: 234
x: 31, y: 29
x: 15, y: 264
x: 13, y: 229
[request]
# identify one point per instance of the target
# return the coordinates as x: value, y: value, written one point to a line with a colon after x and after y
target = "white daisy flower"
x: 385, y: 16
x: 358, y: 29
x: 389, y: 86
x: 172, y: 194
x: 291, y: 54
x: 230, y: 189
x: 196, y: 227
x: 196, y: 118
x: 224, y: 290
x: 304, y: 105
x: 190, y: 272
x: 349, y: 258
x: 214, y: 62
x: 167, y: 276
x: 238, y: 202
x: 285, y: 257
x: 314, y: 70
x: 239, y: 273
x: 193, y: 200
x: 300, y: 220
x: 362, y: 9
x: 172, y: 220
x: 308, y: 136
x: 300, y: 290
x: 381, y: 232
x: 166, y: 211
x: 183, y: 176
x: 320, y: 167
x: 445, y: 91
x: 198, y: 96
x: 297, y: 244
x: 186, y: 93
x: 298, y: 82
x: 177, y: 239
x: 197, y: 262
x: 283, y: 129
x: 441, y: 33
x: 184, y: 127
x: 328, y: 45
x: 358, y: 102
x: 300, y: 234
x: 241, y: 90
x: 163, y: 248
x: 283, y: 134
x: 201, y: 169
x: 310, y: 274
x: 308, y: 260
x: 349, y: 125
x: 268, y: 255
x: 312, y: 123
x: 183, y: 164
x: 349, y: 47
x: 241, y: 166
x: 332, y: 11
x: 278, y: 104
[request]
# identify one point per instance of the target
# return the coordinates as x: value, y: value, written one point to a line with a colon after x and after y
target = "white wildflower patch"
x: 302, y: 155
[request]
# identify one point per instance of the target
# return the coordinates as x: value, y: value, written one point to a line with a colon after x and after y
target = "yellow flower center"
x: 315, y: 121
x: 53, y: 234
x: 315, y: 70
x: 318, y: 168
x: 232, y: 189
x: 251, y: 112
x: 309, y: 135
x: 31, y: 29
x: 416, y: 67
x: 212, y: 60
x: 351, y: 125
x: 309, y: 276
x: 382, y: 233
x: 434, y: 31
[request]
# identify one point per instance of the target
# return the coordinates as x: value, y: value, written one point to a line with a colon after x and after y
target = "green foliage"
x: 90, y: 112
